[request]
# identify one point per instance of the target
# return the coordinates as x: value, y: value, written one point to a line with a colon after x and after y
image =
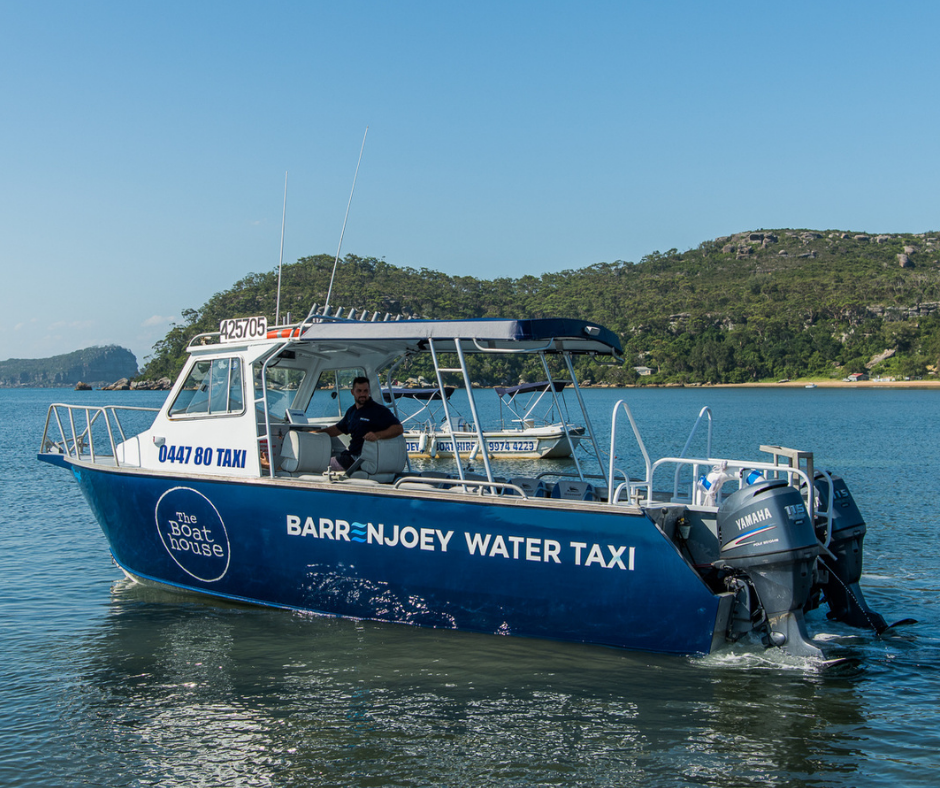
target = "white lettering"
x: 552, y: 548
x: 595, y: 556
x: 532, y: 549
x: 578, y: 547
x: 753, y: 518
x: 427, y: 538
x: 499, y: 546
x: 293, y: 525
x: 477, y: 543
x: 615, y: 554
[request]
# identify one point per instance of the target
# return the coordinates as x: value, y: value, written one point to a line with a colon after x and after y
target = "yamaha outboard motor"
x: 841, y: 589
x: 766, y: 534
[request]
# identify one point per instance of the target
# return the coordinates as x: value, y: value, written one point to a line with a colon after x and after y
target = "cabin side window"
x: 211, y: 388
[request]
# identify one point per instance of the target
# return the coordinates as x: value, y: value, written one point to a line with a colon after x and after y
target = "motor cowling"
x: 841, y: 589
x: 766, y: 533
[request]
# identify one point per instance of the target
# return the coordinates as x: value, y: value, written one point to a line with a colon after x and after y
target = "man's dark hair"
x: 359, y: 381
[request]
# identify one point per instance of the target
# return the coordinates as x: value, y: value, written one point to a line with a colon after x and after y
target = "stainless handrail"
x: 699, y: 463
x: 73, y: 441
x: 648, y: 481
x: 470, y: 486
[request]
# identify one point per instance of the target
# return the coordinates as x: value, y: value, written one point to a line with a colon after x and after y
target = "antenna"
x: 333, y: 275
x: 280, y: 263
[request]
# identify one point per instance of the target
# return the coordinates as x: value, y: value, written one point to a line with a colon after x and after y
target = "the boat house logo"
x: 193, y: 533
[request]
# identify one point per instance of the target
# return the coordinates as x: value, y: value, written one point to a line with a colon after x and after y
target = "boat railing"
x: 93, y: 433
x: 736, y: 471
x: 467, y: 485
x: 704, y: 413
x: 828, y: 511
x: 633, y: 486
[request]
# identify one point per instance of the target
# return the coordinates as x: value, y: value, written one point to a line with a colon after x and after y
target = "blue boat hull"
x: 471, y: 563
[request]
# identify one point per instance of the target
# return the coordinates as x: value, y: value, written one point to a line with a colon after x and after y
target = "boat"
x: 810, y: 386
x: 534, y: 439
x: 226, y: 491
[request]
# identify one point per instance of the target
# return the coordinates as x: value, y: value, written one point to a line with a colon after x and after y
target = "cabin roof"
x: 553, y: 335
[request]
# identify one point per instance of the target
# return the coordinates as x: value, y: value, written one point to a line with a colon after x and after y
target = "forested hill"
x: 95, y: 366
x: 754, y: 306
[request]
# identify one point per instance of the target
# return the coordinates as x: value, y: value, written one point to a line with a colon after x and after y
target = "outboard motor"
x: 766, y: 534
x: 841, y: 588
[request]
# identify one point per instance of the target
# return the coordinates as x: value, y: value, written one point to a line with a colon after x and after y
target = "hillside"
x: 758, y: 305
x: 96, y: 366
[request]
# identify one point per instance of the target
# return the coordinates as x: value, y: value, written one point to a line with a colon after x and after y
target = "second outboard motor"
x: 765, y: 533
x: 841, y: 588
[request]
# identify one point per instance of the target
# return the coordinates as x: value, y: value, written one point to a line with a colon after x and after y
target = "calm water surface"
x: 103, y: 683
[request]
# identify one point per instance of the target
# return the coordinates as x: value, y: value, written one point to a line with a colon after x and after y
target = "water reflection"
x: 180, y: 692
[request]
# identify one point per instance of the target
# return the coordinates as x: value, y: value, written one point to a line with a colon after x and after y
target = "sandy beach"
x: 833, y: 384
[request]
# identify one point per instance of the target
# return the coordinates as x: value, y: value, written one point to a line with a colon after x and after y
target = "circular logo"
x: 193, y: 533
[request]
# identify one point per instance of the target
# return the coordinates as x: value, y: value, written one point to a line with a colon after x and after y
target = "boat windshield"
x: 211, y: 388
x: 332, y: 396
x: 282, y: 384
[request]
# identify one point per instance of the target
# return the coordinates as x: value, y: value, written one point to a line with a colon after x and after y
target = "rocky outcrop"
x: 163, y: 384
x: 879, y: 358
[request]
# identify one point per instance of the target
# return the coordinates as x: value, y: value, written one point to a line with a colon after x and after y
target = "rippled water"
x: 104, y: 683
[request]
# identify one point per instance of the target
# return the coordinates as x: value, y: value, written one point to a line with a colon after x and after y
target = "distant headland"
x: 95, y: 367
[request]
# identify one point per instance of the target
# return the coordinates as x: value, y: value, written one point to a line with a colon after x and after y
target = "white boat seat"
x: 305, y: 452
x: 533, y: 488
x: 380, y: 460
x: 573, y: 491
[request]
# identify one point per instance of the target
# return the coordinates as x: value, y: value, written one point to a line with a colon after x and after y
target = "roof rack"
x: 356, y: 314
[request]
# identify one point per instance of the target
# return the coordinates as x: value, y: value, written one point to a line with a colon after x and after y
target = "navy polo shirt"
x: 371, y: 417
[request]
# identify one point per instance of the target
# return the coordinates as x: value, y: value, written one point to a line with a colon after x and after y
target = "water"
x: 103, y: 683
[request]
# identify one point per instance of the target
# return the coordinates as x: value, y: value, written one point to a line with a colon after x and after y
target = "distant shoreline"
x: 793, y: 384
x: 800, y: 384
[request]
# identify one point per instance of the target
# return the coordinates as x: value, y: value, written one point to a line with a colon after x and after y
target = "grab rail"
x: 697, y: 464
x: 77, y: 441
x: 706, y: 411
x: 477, y: 486
x: 647, y: 482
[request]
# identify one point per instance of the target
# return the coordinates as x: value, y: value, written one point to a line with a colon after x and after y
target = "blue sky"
x: 143, y: 145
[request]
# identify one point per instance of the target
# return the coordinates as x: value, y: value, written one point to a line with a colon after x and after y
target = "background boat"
x: 536, y: 435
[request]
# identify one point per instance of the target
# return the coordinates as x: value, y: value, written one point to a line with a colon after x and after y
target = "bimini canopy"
x: 551, y: 335
x: 528, y: 388
x: 419, y: 394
